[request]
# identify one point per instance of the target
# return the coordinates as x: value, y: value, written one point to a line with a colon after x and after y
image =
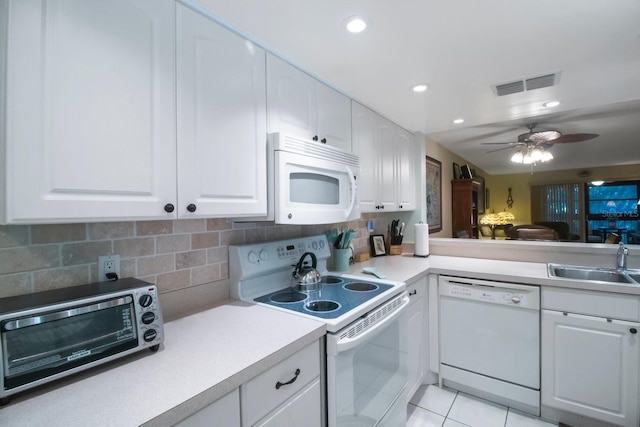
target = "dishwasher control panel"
x: 517, y: 295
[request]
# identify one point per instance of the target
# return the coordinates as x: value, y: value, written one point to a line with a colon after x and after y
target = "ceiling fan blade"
x: 574, y: 137
x: 500, y: 149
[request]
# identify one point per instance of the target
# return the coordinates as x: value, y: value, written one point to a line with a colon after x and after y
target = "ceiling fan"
x: 542, y: 139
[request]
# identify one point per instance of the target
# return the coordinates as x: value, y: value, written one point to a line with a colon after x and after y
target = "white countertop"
x: 407, y: 268
x: 203, y: 357
x: 210, y: 353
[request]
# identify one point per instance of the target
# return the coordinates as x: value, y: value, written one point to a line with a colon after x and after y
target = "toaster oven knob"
x: 145, y: 300
x: 148, y: 317
x: 150, y: 335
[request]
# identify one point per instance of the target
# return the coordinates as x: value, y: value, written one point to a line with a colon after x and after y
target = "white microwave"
x: 310, y: 182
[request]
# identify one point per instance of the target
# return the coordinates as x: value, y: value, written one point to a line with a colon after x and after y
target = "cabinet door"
x: 387, y: 157
x: 223, y: 412
x: 303, y: 409
x: 334, y: 118
x: 90, y: 110
x: 221, y: 120
x: 291, y: 99
x: 590, y: 366
x: 364, y: 145
x: 417, y: 335
x: 405, y: 175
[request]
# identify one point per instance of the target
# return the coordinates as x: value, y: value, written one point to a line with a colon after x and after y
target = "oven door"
x: 367, y: 369
x: 311, y: 190
x: 39, y: 346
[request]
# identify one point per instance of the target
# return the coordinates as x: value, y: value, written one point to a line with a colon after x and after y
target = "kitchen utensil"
x: 305, y: 278
x: 374, y: 271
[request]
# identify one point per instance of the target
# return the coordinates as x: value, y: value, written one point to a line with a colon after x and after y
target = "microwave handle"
x: 354, y: 192
x: 63, y: 314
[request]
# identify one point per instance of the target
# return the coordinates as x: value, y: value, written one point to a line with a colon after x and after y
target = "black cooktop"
x: 337, y: 296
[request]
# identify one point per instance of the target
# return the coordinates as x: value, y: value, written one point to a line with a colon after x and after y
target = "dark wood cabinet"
x: 464, y: 208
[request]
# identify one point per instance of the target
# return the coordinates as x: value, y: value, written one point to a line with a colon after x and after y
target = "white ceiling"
x: 461, y: 48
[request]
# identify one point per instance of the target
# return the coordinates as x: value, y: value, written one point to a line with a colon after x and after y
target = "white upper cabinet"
x: 386, y: 151
x: 222, y: 130
x: 405, y: 170
x: 300, y: 105
x: 90, y: 110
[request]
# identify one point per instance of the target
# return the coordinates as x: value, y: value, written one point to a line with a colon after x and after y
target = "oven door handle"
x: 63, y: 314
x: 346, y: 344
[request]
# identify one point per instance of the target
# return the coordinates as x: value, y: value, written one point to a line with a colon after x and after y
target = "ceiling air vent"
x: 525, y: 84
x: 509, y: 88
x: 540, y: 82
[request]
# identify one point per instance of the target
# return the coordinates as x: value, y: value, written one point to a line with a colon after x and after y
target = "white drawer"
x: 594, y: 303
x: 260, y: 396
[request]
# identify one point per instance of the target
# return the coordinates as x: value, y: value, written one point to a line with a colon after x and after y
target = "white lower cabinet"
x: 589, y: 363
x: 417, y: 335
x: 223, y: 412
x: 286, y: 395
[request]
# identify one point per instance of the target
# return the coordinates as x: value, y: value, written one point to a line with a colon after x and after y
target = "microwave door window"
x: 314, y: 189
x: 49, y: 347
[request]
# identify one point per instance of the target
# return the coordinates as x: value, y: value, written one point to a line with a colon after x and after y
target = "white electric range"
x: 365, y: 319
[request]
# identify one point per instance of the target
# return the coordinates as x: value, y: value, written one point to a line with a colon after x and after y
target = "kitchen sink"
x: 593, y: 274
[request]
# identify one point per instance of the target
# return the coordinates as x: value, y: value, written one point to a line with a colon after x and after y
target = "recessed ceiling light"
x: 356, y: 24
x: 420, y: 87
x: 458, y: 121
x: 551, y: 104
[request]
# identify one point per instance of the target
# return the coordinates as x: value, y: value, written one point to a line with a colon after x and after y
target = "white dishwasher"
x: 490, y: 340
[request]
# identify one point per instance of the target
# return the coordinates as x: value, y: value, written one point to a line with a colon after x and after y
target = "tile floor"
x: 442, y: 407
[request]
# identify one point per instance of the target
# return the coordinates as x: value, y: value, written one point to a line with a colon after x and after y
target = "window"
x: 613, y: 208
x: 560, y: 203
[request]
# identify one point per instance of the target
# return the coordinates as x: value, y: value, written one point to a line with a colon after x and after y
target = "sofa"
x: 532, y: 232
x: 562, y: 228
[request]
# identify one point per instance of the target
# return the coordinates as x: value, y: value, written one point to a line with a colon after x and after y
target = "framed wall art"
x: 378, y: 247
x: 434, y: 195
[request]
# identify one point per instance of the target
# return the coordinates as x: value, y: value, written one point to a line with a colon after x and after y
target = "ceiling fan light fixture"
x: 517, y: 157
x: 536, y: 154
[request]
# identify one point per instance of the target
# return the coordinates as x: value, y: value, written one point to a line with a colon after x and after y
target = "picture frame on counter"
x: 378, y: 247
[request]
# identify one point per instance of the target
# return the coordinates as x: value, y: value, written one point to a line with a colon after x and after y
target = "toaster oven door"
x: 41, y: 345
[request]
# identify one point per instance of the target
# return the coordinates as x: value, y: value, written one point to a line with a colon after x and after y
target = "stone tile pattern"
x: 171, y: 254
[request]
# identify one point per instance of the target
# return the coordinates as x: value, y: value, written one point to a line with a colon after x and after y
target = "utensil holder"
x: 395, y: 249
x: 341, y: 259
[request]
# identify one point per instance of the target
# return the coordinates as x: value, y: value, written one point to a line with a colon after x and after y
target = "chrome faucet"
x: 621, y: 257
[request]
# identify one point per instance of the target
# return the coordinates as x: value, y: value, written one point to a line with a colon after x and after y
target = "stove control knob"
x: 253, y: 257
x: 264, y: 255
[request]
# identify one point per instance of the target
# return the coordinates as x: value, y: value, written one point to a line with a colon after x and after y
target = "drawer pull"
x: 413, y: 292
x: 292, y: 380
x: 633, y: 330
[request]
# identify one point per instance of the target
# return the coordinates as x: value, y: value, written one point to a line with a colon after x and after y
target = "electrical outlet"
x: 108, y: 264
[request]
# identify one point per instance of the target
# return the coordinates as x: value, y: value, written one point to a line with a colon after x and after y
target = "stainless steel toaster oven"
x: 51, y: 334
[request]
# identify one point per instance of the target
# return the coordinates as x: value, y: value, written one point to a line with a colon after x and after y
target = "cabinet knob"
x: 633, y: 330
x: 315, y: 137
x: 323, y: 140
x: 400, y: 206
x: 191, y: 207
x: 169, y: 208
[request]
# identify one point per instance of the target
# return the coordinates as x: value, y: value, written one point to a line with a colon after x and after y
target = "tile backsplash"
x: 182, y: 257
